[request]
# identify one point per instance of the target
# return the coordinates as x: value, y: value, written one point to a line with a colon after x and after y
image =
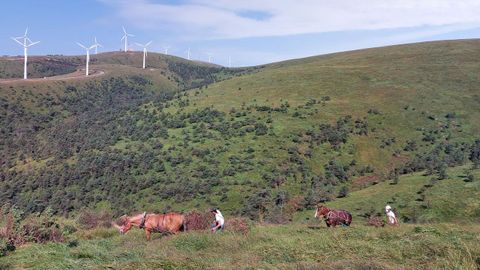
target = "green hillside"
x: 183, y: 73
x: 248, y: 140
x: 440, y: 246
x: 417, y: 198
x: 304, y: 244
x: 38, y: 66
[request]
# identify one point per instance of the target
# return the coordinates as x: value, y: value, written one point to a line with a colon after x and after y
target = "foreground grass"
x: 441, y: 246
x: 439, y: 243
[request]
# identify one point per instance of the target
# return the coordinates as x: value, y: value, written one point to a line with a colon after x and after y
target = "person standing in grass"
x: 219, y: 220
x: 391, y: 218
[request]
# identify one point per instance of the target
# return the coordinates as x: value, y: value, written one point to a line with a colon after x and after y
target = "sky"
x: 249, y: 32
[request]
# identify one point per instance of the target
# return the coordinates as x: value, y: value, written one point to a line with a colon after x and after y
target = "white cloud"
x: 210, y: 19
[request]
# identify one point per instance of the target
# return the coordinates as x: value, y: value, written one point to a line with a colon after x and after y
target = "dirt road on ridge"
x: 78, y: 74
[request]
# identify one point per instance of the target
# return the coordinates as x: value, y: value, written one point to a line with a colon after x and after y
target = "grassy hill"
x: 440, y: 246
x: 303, y: 244
x: 248, y: 140
x: 353, y: 130
x: 38, y: 66
x: 183, y: 73
x: 416, y: 198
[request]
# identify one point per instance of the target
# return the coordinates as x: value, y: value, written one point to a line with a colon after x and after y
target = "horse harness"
x: 335, y: 216
x: 142, y: 223
x: 158, y: 228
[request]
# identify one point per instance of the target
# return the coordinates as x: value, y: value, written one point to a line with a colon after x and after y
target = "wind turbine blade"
x: 33, y: 43
x: 139, y: 45
x: 130, y: 35
x: 81, y: 45
x: 29, y: 40
x: 15, y: 39
x: 99, y: 45
x: 148, y: 44
x: 26, y: 32
x: 123, y: 38
x: 92, y: 47
x: 124, y: 31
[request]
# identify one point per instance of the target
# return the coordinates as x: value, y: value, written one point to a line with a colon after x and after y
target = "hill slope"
x: 307, y: 244
x: 310, y: 128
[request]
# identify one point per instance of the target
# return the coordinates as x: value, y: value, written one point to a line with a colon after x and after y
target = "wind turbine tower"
x: 125, y: 38
x: 97, y: 45
x: 144, y: 51
x: 188, y: 54
x: 166, y: 49
x: 88, y: 55
x: 210, y: 57
x: 25, y: 43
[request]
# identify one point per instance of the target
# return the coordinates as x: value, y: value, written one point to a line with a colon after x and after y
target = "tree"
x: 343, y: 192
x: 257, y: 204
x: 442, y: 171
x: 475, y: 154
x: 469, y: 177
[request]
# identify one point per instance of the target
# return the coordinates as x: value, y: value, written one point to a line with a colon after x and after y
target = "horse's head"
x: 126, y: 224
x: 321, y: 211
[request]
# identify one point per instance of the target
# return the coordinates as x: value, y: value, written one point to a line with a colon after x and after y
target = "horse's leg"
x: 334, y: 223
x: 148, y: 233
x: 328, y: 224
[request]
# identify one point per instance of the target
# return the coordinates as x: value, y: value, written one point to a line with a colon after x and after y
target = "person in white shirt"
x: 219, y: 220
x: 391, y: 218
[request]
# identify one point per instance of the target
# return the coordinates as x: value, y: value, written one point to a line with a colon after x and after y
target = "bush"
x: 343, y: 192
x: 469, y: 177
x: 196, y: 220
x: 238, y: 225
x: 41, y: 229
x: 89, y: 219
x: 6, y: 245
x: 375, y: 221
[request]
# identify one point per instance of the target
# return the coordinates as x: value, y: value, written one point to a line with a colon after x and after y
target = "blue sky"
x: 251, y: 32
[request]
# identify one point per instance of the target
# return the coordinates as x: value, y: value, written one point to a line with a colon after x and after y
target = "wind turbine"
x: 88, y: 55
x: 188, y: 53
x: 209, y: 57
x: 229, y: 61
x: 125, y: 38
x: 25, y: 43
x: 166, y: 49
x: 97, y: 45
x: 144, y: 50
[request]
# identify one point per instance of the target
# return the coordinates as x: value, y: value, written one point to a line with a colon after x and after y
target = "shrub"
x: 343, y: 192
x: 375, y: 221
x: 469, y: 177
x: 6, y: 245
x: 196, y: 220
x: 475, y: 154
x: 41, y: 229
x: 238, y: 225
x: 89, y: 219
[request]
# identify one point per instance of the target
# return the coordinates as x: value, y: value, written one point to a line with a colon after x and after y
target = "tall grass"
x: 294, y: 246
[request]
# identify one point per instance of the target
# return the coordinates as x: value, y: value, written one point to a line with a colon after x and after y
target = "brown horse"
x: 163, y: 223
x: 333, y: 217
